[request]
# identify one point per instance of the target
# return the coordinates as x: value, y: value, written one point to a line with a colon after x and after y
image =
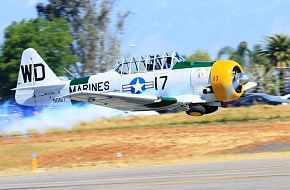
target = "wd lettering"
x: 39, y: 72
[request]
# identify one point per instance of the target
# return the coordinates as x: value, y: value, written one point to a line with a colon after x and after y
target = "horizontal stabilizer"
x: 38, y: 87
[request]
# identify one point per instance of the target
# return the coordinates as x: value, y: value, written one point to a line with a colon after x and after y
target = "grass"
x: 15, y: 150
x: 229, y: 115
x: 20, y: 153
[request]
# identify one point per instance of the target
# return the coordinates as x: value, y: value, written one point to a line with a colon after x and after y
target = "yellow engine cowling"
x: 222, y: 80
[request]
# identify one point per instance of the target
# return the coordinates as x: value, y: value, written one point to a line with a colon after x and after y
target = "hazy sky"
x: 183, y: 25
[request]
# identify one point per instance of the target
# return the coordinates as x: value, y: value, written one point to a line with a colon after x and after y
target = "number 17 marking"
x: 164, y: 78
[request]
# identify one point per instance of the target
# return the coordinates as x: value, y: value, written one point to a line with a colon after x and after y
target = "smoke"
x: 13, y: 120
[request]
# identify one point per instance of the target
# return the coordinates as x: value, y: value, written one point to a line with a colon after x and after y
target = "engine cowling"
x: 227, y: 80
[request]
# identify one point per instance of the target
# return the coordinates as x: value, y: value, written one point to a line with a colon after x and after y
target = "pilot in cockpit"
x: 167, y: 63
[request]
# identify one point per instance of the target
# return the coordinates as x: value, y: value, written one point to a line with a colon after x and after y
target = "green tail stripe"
x: 82, y: 80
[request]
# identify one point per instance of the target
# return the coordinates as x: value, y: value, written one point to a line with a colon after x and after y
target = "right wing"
x: 136, y: 102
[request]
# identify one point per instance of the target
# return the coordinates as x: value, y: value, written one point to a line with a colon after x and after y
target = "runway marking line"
x: 198, y: 180
x: 152, y: 181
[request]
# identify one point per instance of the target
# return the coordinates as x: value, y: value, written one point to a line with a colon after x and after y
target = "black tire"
x: 196, y: 110
x: 210, y: 109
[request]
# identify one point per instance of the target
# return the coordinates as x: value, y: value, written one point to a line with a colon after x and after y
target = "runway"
x: 247, y: 174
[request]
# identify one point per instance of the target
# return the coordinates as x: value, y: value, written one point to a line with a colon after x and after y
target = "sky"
x: 157, y: 26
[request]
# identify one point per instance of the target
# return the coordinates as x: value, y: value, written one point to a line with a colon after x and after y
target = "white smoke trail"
x: 65, y: 117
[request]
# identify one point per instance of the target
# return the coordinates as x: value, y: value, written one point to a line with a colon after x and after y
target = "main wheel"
x: 196, y: 110
x: 210, y: 109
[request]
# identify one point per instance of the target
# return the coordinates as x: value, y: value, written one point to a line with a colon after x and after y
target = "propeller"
x: 243, y: 79
x: 235, y: 75
x: 228, y: 80
x: 239, y: 79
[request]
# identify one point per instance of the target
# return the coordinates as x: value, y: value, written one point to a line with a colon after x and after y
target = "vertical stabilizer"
x: 34, y: 71
x: 34, y: 74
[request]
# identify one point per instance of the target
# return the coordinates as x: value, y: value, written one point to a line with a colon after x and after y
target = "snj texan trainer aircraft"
x: 158, y: 82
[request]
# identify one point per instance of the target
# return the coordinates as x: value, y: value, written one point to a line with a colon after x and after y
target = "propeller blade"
x: 236, y: 84
x: 250, y: 85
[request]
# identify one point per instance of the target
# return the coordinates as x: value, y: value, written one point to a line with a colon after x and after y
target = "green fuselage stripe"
x: 191, y: 64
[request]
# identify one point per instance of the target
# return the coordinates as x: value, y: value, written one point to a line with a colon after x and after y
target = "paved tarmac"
x: 231, y: 175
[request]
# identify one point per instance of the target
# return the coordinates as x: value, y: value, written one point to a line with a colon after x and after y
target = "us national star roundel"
x: 137, y: 85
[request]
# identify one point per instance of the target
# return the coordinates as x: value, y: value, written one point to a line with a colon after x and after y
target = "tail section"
x: 34, y: 71
x: 34, y: 76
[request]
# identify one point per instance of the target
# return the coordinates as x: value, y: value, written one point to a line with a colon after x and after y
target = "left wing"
x: 136, y: 102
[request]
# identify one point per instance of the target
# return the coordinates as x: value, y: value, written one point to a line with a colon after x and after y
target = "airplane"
x: 159, y: 83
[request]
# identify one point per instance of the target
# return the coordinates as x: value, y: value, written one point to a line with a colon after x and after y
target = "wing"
x: 134, y: 102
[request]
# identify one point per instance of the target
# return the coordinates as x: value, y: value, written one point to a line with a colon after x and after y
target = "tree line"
x: 268, y: 63
x: 79, y: 35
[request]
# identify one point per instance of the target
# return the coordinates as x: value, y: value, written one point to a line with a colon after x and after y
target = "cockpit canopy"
x: 150, y: 63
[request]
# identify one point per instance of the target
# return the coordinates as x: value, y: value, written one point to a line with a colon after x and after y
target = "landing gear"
x: 198, y: 110
x: 210, y: 109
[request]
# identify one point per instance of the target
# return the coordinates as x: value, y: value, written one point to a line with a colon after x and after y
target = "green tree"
x: 96, y: 44
x: 277, y: 50
x: 260, y: 71
x: 241, y: 54
x: 51, y: 39
x: 259, y: 59
x: 199, y: 55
